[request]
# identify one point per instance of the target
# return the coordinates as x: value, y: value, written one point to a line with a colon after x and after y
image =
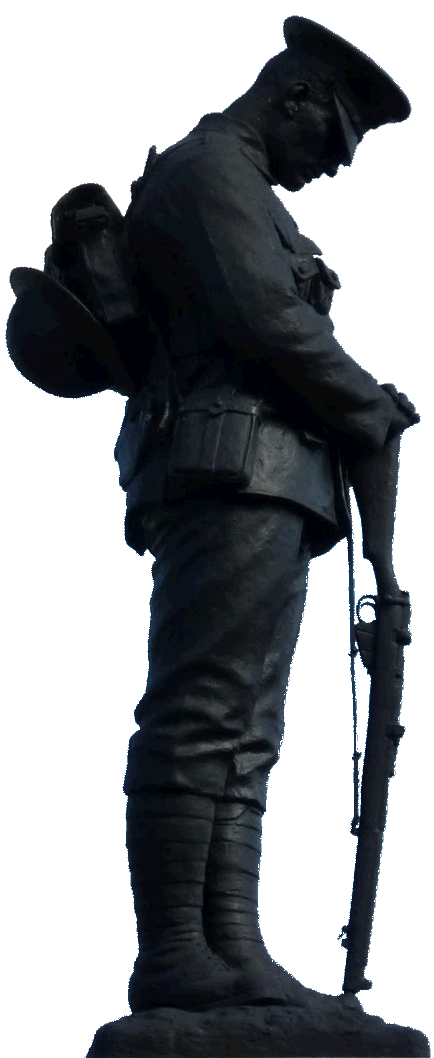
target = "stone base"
x: 257, y: 1032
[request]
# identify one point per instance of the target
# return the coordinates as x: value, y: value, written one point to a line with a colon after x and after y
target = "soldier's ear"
x: 297, y: 93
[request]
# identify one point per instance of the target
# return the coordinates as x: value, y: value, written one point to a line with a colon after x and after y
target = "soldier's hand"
x: 404, y: 412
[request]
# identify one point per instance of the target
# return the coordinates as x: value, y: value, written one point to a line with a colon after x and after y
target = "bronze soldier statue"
x: 238, y: 438
x: 238, y: 498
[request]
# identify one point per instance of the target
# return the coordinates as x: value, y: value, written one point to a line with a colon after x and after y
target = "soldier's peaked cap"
x: 370, y: 96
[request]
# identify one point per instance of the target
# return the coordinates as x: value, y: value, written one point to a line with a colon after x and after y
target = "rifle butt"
x: 382, y: 740
x: 358, y: 932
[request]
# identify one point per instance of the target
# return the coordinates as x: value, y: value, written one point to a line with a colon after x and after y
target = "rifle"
x: 381, y: 647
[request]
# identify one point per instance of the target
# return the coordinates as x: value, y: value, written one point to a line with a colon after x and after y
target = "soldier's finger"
x: 406, y: 404
x: 391, y: 390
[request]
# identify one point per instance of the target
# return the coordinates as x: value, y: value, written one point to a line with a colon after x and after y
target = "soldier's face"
x: 304, y: 140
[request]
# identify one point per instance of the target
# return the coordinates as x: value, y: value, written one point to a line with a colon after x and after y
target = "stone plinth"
x: 257, y: 1032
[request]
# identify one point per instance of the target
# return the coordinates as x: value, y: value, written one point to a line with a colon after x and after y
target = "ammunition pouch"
x: 215, y: 439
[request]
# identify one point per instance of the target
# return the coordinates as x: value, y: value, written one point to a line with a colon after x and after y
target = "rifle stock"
x: 381, y: 645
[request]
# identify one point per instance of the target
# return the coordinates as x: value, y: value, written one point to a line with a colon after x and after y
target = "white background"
x: 87, y: 88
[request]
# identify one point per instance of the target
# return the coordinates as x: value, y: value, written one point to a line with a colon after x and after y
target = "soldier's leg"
x: 168, y: 840
x: 229, y: 587
x: 231, y: 918
x: 219, y: 577
x: 231, y: 921
x: 231, y: 888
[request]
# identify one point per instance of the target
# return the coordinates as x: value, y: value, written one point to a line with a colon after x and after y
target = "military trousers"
x: 230, y: 582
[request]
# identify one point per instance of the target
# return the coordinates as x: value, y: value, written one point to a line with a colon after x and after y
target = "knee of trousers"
x: 192, y: 720
x: 186, y: 754
x: 189, y: 744
x: 213, y: 723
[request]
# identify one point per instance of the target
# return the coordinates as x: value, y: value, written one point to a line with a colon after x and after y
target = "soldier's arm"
x: 215, y: 214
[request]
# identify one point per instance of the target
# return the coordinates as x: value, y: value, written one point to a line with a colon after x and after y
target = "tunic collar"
x: 251, y: 143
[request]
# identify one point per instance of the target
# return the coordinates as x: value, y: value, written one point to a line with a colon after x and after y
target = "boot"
x: 231, y: 920
x: 168, y: 840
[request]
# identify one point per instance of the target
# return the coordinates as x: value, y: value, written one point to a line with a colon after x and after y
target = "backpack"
x: 89, y: 256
